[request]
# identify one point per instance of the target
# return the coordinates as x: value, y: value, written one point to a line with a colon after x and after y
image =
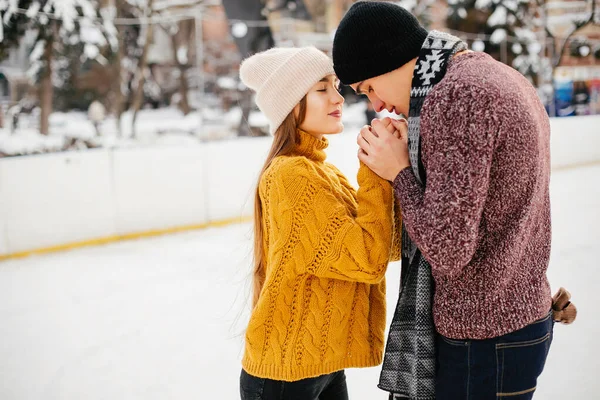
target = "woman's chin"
x: 339, y: 128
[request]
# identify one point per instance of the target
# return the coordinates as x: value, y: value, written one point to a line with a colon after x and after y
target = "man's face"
x: 389, y: 91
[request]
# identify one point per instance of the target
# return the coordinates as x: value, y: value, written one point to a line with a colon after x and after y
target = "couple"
x: 470, y: 173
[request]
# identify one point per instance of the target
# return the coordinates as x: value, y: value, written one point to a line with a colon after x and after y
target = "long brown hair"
x: 285, y: 140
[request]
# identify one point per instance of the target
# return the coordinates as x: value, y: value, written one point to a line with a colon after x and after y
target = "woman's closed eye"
x: 327, y: 88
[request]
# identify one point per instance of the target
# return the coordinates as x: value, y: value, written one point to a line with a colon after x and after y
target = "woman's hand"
x: 384, y: 147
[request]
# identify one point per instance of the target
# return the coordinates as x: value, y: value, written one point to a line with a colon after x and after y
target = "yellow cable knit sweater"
x: 322, y: 307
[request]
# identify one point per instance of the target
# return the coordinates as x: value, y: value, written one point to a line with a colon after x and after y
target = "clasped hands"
x: 384, y: 147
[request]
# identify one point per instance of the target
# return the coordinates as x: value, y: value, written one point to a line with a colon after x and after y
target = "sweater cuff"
x: 405, y: 184
x: 403, y: 178
x: 367, y: 177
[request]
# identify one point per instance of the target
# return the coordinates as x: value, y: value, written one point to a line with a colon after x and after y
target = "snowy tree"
x: 125, y: 60
x: 133, y: 78
x: 57, y: 24
x: 87, y: 53
x: 12, y: 27
x: 523, y: 22
x: 182, y: 34
x: 143, y: 9
x: 573, y: 22
x: 133, y: 55
x: 502, y: 20
x: 420, y: 9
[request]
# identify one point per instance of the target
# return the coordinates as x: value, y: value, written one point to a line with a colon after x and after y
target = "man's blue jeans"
x: 502, y: 368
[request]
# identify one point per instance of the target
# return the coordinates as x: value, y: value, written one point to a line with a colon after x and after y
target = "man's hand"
x: 382, y: 150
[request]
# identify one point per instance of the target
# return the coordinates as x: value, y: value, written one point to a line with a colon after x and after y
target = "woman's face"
x: 323, y: 108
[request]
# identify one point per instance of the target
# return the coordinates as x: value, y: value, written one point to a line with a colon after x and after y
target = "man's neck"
x: 460, y: 53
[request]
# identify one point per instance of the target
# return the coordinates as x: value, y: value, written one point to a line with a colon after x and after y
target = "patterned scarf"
x: 410, y: 356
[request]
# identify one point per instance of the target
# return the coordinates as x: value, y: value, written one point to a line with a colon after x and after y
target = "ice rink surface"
x: 164, y: 318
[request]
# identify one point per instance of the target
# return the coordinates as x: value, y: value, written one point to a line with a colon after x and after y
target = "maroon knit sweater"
x: 483, y: 219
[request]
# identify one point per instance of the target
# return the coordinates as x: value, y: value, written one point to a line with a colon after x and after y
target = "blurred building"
x: 175, y: 54
x: 583, y: 48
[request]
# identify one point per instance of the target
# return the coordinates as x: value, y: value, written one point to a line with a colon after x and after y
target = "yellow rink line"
x: 126, y: 236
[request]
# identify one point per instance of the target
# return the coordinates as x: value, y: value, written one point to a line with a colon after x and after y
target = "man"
x: 472, y: 181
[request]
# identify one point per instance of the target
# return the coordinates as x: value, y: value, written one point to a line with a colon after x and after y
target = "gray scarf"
x: 410, y: 355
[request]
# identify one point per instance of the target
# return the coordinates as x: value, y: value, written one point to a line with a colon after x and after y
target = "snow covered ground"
x: 164, y: 318
x: 167, y: 126
x: 161, y: 127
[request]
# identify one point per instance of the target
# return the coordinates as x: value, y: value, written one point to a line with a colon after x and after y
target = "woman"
x: 321, y: 248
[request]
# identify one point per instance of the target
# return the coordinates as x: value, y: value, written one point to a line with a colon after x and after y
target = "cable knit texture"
x: 483, y: 220
x: 327, y: 246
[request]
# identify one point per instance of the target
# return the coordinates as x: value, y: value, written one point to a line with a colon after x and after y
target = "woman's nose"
x: 338, y: 98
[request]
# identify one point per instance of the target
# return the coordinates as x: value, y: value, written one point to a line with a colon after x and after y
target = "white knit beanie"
x: 281, y: 76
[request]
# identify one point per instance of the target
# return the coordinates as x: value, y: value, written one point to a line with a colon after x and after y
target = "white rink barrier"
x: 575, y: 141
x: 64, y: 200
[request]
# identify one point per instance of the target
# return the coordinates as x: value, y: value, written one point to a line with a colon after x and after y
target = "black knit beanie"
x: 375, y: 38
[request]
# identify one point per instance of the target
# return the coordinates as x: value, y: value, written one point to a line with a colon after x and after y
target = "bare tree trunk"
x: 246, y: 105
x: 562, y: 46
x: 138, y: 97
x: 184, y: 104
x: 46, y: 90
x: 118, y: 82
x: 182, y: 39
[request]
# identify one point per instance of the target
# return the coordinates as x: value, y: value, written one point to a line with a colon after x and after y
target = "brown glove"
x: 563, y: 310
